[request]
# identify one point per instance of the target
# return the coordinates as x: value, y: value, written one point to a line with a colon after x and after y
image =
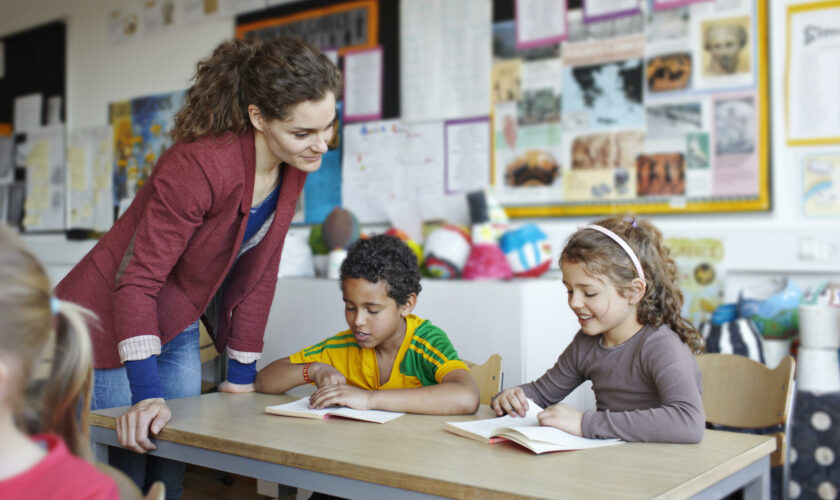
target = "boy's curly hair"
x: 384, y: 257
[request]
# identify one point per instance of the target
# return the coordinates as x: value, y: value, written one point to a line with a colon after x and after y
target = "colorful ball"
x: 316, y: 241
x: 527, y: 249
x: 341, y: 229
x: 446, y: 251
x: 413, y: 245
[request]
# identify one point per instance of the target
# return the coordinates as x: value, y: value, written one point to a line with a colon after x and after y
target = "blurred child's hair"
x: 384, y: 257
x: 601, y: 256
x: 58, y: 404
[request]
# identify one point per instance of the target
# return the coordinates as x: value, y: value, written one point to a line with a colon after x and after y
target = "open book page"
x: 300, y: 408
x: 526, y: 431
x: 489, y: 427
x: 558, y: 438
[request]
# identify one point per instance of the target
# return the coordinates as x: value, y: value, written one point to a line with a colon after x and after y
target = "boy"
x: 386, y: 346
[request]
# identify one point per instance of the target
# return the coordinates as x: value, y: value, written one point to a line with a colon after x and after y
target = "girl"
x: 633, y: 344
x: 202, y: 239
x: 52, y: 463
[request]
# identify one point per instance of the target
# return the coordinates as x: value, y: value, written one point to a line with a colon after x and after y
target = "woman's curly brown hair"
x: 273, y: 75
x: 601, y: 256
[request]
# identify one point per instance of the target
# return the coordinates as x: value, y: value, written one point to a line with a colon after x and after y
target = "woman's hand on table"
x: 134, y: 425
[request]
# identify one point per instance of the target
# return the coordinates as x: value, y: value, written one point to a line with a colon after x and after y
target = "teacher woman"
x: 202, y: 239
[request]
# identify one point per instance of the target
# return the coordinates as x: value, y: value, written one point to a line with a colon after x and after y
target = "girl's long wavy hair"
x: 273, y: 75
x: 601, y: 256
x: 31, y: 337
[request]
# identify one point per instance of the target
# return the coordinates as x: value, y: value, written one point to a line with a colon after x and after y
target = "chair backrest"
x: 156, y: 492
x: 743, y: 393
x: 127, y: 489
x: 488, y: 377
x: 207, y: 349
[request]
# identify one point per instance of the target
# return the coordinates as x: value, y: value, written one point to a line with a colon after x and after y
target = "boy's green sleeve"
x: 430, y: 355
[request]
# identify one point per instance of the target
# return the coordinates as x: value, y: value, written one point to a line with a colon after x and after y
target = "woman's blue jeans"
x: 179, y: 365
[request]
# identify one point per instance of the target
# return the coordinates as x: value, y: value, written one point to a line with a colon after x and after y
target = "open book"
x: 300, y: 408
x: 525, y: 431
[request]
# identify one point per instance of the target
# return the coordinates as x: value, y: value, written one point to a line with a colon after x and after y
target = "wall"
x: 758, y: 244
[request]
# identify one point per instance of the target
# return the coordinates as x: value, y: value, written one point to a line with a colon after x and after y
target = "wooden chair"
x: 488, y: 377
x: 743, y: 393
x: 128, y: 490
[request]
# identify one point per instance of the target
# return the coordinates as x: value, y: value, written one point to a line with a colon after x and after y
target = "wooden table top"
x: 415, y: 452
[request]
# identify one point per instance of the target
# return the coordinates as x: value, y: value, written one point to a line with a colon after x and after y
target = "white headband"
x: 623, y: 244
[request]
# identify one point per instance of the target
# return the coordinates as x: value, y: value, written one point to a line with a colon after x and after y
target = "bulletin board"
x: 649, y: 110
x: 642, y: 112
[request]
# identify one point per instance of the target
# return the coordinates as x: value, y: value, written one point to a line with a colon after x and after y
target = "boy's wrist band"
x: 306, y: 372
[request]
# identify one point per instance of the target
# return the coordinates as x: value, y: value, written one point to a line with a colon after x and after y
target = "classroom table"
x: 414, y: 457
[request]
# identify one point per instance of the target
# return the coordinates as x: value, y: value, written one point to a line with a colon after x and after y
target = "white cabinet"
x: 526, y: 321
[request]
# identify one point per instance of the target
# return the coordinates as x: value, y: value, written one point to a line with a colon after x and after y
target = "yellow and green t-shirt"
x: 425, y: 357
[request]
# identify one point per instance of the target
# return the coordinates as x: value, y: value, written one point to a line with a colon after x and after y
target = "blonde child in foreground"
x: 45, y: 448
x: 386, y: 346
x: 632, y: 344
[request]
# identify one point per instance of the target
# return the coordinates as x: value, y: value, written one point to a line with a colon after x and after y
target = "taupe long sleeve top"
x: 647, y: 389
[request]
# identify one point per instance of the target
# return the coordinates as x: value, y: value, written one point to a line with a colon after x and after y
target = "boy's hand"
x: 341, y: 395
x: 563, y: 417
x: 325, y: 375
x: 511, y: 401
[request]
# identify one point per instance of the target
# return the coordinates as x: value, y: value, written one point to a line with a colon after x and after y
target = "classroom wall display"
x: 142, y: 128
x: 657, y: 109
x: 31, y: 99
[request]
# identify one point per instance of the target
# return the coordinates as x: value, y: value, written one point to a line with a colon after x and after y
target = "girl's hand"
x: 228, y: 386
x: 325, y: 375
x: 134, y: 425
x: 563, y: 417
x: 341, y: 395
x: 511, y: 401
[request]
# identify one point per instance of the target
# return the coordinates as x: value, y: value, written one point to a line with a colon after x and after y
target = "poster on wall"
x: 45, y: 196
x: 90, y: 161
x: 387, y: 162
x: 812, y: 103
x: 647, y: 110
x: 821, y: 184
x: 142, y: 128
x: 701, y: 270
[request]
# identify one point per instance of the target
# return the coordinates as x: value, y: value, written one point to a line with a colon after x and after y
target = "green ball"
x: 316, y: 240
